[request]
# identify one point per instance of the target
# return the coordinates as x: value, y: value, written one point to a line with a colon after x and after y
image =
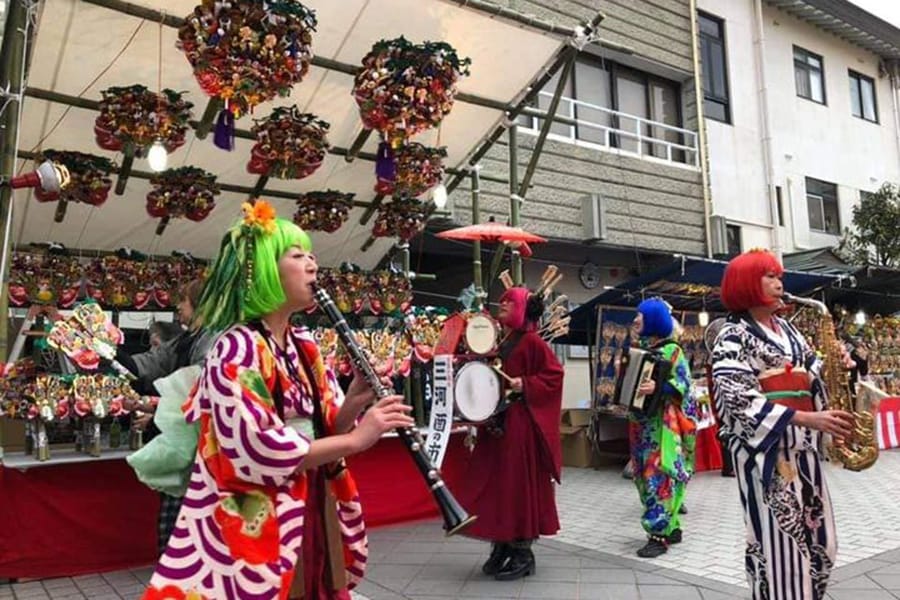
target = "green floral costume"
x: 662, y: 447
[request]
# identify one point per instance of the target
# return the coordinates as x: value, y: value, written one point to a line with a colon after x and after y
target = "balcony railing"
x: 595, y: 126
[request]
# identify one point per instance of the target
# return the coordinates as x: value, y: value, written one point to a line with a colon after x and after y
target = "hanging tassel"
x: 224, y: 135
x: 385, y: 167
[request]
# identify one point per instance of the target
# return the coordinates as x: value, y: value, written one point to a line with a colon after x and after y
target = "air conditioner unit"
x: 593, y: 218
x: 718, y: 235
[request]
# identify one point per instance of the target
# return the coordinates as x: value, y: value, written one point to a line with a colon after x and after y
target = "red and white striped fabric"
x: 888, y: 425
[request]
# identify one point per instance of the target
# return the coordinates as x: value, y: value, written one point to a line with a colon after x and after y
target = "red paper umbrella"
x: 491, y: 232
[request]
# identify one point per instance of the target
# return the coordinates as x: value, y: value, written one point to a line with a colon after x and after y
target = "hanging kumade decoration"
x: 244, y: 53
x: 135, y: 116
x: 416, y: 169
x: 389, y: 291
x: 44, y: 279
x: 323, y: 211
x: 404, y: 88
x: 89, y: 183
x: 289, y: 144
x: 186, y: 192
x: 402, y: 218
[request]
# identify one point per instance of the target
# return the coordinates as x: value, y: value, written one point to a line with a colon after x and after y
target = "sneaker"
x: 653, y: 548
x: 682, y: 510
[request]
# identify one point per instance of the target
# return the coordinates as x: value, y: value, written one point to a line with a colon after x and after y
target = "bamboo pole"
x: 12, y: 75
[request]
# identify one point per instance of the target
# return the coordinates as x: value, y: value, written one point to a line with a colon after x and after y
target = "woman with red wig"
x: 772, y: 406
x: 517, y: 457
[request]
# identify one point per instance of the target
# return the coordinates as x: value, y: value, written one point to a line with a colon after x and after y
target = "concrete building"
x: 618, y: 185
x: 801, y: 111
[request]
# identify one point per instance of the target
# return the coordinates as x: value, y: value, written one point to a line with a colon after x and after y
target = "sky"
x: 888, y: 10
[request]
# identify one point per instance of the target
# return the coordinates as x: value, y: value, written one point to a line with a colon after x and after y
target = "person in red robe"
x: 510, y: 479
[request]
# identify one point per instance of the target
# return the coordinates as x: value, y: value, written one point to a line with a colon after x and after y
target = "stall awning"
x: 870, y: 289
x: 83, y: 48
x: 687, y: 283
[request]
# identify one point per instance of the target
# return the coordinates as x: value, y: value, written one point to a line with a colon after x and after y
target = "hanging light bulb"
x: 860, y: 318
x: 703, y: 318
x: 157, y: 157
x: 439, y: 196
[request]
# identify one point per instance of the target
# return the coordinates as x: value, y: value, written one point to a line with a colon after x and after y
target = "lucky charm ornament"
x: 244, y: 53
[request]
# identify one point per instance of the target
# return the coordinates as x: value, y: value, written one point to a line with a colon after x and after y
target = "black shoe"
x: 682, y: 510
x: 520, y: 564
x: 499, y: 554
x: 727, y: 473
x: 653, y: 548
x: 674, y: 537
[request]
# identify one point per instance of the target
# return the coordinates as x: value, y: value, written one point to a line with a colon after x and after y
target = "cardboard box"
x: 577, y: 450
x: 12, y: 435
x: 576, y: 417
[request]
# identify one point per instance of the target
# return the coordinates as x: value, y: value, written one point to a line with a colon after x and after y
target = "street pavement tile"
x: 607, y: 591
x: 861, y: 595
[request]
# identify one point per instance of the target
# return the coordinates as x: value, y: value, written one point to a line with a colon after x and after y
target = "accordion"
x: 639, y: 366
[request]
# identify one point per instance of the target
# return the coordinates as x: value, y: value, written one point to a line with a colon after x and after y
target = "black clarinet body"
x: 455, y: 517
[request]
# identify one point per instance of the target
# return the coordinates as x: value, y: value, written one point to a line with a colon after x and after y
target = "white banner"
x: 441, y: 421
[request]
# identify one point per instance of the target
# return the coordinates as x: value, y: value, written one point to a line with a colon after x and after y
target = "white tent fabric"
x: 77, y: 41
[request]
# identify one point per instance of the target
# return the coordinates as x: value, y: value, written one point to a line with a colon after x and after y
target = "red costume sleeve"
x: 542, y: 381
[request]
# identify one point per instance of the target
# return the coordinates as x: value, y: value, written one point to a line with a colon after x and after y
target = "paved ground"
x: 593, y: 557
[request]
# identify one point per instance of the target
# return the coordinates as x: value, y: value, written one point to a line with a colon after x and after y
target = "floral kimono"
x: 662, y: 447
x: 241, y: 527
x: 791, y: 543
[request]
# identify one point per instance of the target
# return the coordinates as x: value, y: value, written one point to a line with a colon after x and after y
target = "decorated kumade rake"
x: 86, y: 337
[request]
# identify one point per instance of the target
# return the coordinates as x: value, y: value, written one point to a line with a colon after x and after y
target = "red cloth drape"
x: 67, y: 520
x: 75, y: 519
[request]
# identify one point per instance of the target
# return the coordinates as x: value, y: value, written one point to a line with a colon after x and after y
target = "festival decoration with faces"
x: 249, y: 51
x: 401, y: 218
x: 405, y: 88
x: 417, y: 169
x: 89, y: 177
x: 44, y: 279
x: 135, y: 115
x: 289, y: 144
x: 186, y: 192
x: 323, y: 211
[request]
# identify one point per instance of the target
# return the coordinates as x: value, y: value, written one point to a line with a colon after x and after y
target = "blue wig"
x: 657, y: 318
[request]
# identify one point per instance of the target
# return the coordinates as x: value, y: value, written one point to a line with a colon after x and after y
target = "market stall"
x: 358, y: 173
x: 690, y: 285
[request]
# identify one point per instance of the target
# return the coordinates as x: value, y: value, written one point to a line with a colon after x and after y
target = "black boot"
x: 654, y: 547
x: 499, y: 553
x: 682, y: 510
x: 520, y: 564
x: 674, y: 537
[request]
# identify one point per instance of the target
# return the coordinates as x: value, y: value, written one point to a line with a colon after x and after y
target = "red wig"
x: 742, y: 282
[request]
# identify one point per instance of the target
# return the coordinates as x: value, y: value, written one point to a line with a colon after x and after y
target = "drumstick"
x: 504, y: 375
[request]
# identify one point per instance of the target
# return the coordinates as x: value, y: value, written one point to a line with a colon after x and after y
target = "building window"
x: 715, y: 68
x: 612, y: 104
x: 809, y: 76
x: 733, y: 239
x: 862, y: 97
x: 822, y: 206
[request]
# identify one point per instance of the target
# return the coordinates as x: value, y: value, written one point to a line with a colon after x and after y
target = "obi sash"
x: 790, y: 388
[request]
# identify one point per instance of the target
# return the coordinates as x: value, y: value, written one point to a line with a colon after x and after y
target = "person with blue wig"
x: 662, y: 440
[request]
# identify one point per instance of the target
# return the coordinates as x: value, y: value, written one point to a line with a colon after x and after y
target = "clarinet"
x: 455, y: 516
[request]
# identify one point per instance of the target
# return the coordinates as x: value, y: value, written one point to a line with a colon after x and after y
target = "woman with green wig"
x: 271, y: 510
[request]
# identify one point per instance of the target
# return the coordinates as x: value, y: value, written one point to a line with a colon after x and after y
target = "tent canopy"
x: 78, y: 45
x: 687, y: 283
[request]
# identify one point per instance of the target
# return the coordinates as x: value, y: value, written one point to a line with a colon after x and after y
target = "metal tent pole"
x: 514, y: 199
x: 12, y: 77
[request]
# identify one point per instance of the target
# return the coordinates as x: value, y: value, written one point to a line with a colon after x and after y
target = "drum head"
x: 477, y: 392
x: 481, y: 334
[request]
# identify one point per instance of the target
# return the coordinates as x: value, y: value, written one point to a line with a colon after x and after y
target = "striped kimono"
x: 241, y: 526
x: 791, y: 542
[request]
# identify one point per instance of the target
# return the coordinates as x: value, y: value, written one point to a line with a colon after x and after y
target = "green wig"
x: 243, y: 283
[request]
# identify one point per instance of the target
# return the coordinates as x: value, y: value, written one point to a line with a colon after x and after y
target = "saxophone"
x: 860, y: 450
